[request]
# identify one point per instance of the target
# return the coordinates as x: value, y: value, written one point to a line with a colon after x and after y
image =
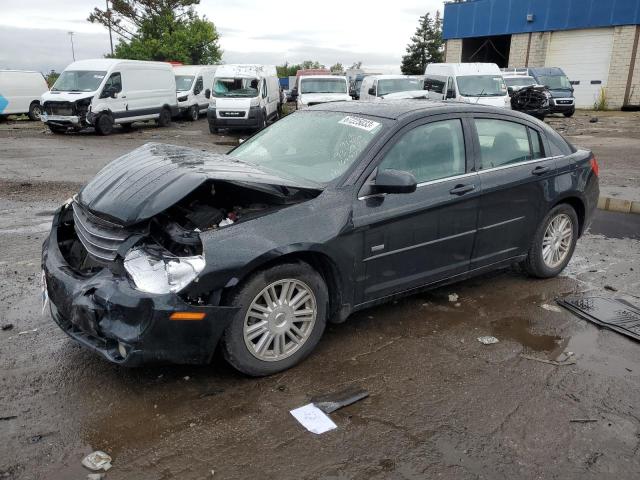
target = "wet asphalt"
x: 440, y: 405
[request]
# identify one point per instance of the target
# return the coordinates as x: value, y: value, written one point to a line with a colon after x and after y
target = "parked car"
x: 467, y: 82
x: 560, y: 88
x: 193, y: 88
x: 379, y: 87
x: 318, y: 89
x: 244, y: 97
x: 526, y: 95
x: 354, y: 86
x: 106, y: 92
x: 331, y: 210
x: 20, y: 92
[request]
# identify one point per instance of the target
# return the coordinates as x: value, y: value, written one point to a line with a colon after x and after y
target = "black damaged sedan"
x: 169, y: 252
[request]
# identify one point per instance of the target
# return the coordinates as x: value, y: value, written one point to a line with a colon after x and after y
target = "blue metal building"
x: 594, y: 41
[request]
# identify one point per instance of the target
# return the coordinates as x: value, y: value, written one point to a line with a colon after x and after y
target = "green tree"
x: 337, y: 68
x: 51, y: 77
x: 288, y: 70
x: 425, y: 47
x: 162, y: 30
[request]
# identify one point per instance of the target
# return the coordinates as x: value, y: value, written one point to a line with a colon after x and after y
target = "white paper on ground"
x: 313, y: 419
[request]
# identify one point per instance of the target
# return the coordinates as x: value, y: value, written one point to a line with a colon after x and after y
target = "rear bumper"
x: 254, y: 119
x: 104, y: 311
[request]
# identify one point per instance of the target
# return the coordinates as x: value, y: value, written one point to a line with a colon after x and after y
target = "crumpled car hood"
x: 155, y: 176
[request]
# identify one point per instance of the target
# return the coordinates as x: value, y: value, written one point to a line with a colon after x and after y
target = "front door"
x: 515, y: 175
x: 418, y: 238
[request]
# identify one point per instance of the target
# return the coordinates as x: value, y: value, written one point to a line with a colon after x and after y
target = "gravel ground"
x: 441, y: 404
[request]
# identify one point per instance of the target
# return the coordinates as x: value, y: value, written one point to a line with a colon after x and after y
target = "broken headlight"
x: 156, y: 273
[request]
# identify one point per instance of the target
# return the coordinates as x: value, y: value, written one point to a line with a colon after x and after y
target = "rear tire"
x: 553, y: 243
x: 35, y: 110
x: 164, y: 120
x: 255, y: 350
x: 104, y: 124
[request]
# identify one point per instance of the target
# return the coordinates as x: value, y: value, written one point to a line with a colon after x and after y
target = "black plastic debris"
x: 7, y: 326
x: 333, y: 401
x: 615, y: 314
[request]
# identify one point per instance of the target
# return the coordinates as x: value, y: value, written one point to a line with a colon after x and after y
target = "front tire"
x: 35, y: 110
x: 104, y: 124
x: 164, y: 120
x: 282, y: 316
x: 553, y: 243
x: 569, y: 114
x: 193, y: 113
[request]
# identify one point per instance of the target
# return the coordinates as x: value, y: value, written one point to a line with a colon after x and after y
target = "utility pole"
x: 109, y: 25
x: 73, y: 52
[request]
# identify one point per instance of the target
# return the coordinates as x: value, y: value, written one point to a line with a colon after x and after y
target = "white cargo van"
x: 104, y: 92
x: 193, y: 88
x: 379, y: 87
x: 480, y: 83
x: 244, y: 96
x: 20, y: 92
x: 314, y: 89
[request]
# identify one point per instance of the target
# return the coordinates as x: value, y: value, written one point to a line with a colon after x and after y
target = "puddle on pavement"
x: 518, y: 329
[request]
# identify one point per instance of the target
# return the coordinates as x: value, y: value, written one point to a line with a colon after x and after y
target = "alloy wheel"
x: 280, y: 320
x: 557, y: 239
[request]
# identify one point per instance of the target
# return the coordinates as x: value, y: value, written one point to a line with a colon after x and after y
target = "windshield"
x: 555, y: 82
x: 317, y: 146
x: 519, y: 81
x: 481, y: 86
x: 78, y: 81
x: 398, y: 85
x: 323, y: 85
x: 184, y: 82
x: 236, y: 87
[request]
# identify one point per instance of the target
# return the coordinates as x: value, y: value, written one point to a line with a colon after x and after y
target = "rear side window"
x: 502, y: 142
x: 430, y: 152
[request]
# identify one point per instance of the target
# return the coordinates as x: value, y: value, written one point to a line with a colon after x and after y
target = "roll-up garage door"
x: 584, y: 55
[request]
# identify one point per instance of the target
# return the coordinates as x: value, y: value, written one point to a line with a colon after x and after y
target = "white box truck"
x: 480, y: 83
x: 193, y: 88
x: 107, y: 92
x: 244, y: 97
x: 20, y: 92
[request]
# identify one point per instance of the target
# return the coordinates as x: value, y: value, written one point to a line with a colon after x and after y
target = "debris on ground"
x: 313, y: 419
x: 28, y: 331
x: 569, y: 360
x: 610, y: 288
x: 97, y: 460
x: 488, y: 340
x: 615, y: 314
x: 8, y: 417
x: 593, y: 120
x: 551, y: 308
x: 333, y: 401
x: 96, y: 476
x: 7, y: 326
x: 453, y: 297
x: 583, y: 420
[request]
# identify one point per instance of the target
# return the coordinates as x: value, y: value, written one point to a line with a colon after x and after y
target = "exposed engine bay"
x: 533, y: 99
x: 90, y: 242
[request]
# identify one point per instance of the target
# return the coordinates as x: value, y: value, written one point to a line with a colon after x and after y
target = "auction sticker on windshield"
x: 358, y: 122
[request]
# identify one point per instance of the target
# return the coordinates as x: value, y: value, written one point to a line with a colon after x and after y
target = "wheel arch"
x: 578, y: 204
x: 319, y: 261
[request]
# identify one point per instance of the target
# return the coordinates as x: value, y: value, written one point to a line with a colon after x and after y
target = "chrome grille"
x: 100, y: 237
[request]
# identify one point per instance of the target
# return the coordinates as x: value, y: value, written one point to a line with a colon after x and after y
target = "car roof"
x: 396, y: 109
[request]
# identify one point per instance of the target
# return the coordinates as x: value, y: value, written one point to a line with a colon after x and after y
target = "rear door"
x: 413, y: 239
x: 515, y: 175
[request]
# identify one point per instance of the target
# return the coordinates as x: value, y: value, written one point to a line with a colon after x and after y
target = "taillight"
x: 594, y: 166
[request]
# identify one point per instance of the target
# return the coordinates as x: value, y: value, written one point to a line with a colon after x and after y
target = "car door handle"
x: 540, y: 170
x: 462, y: 189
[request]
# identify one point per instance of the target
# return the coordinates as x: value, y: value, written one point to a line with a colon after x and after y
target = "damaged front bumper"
x: 106, y: 314
x: 62, y: 120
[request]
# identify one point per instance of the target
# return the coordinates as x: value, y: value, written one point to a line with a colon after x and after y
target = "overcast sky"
x: 33, y: 33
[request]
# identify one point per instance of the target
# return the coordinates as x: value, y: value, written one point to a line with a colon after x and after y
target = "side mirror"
x: 207, y: 93
x: 510, y: 90
x: 451, y: 94
x: 113, y: 94
x: 394, y: 181
x: 372, y: 91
